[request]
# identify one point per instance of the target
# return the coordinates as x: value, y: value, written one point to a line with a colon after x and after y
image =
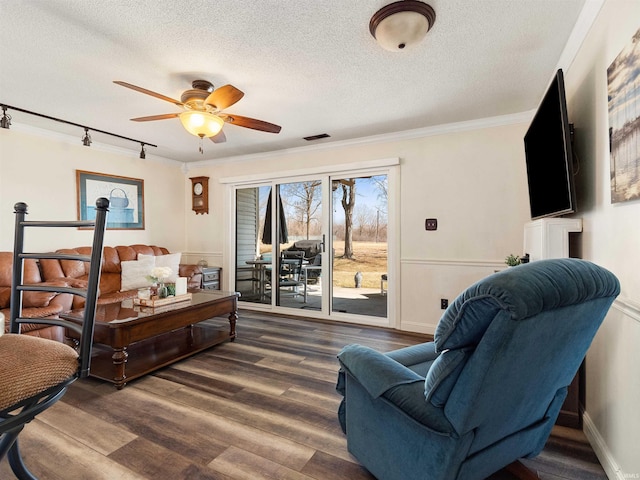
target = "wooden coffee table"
x: 131, y: 341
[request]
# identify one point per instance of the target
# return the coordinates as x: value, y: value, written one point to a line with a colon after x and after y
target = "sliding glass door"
x: 317, y: 245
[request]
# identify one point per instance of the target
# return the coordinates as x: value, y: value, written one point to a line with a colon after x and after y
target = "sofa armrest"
x: 193, y: 273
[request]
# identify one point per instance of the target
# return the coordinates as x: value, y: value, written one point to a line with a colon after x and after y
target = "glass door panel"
x: 360, y: 250
x: 252, y: 256
x: 298, y: 283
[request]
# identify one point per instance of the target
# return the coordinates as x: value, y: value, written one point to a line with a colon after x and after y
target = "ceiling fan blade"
x: 251, y: 123
x: 148, y: 92
x: 219, y: 138
x: 164, y: 116
x: 224, y: 97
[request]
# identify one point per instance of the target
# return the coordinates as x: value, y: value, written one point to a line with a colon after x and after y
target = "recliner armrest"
x: 381, y: 376
x: 375, y: 371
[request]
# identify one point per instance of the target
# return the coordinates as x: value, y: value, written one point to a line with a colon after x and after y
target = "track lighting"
x: 5, y: 122
x: 86, y: 140
x: 143, y: 153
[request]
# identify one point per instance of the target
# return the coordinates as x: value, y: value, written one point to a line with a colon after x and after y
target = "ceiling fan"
x: 202, y: 110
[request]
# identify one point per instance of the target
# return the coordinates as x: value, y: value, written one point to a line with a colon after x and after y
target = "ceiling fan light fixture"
x: 201, y: 124
x: 401, y: 25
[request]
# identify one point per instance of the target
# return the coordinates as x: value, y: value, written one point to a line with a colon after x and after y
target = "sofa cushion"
x: 171, y: 260
x: 41, y: 312
x: 37, y: 299
x: 5, y: 296
x: 135, y: 272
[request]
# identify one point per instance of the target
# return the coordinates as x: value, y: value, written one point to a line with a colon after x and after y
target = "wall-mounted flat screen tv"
x: 548, y: 153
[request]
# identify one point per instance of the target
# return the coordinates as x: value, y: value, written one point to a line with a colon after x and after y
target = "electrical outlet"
x: 444, y: 303
x: 431, y: 224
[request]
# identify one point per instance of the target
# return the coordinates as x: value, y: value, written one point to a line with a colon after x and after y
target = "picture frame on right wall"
x: 623, y: 80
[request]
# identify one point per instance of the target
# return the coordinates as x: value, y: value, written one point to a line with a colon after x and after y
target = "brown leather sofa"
x: 35, y: 304
x: 74, y: 274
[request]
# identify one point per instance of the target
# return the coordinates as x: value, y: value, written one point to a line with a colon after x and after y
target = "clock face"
x: 197, y: 188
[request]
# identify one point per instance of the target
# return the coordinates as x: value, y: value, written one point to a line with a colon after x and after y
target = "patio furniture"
x: 383, y: 280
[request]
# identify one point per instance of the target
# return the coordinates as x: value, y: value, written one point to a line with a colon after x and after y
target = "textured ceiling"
x: 310, y: 66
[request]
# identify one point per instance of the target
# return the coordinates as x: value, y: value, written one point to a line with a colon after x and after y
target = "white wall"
x: 611, y: 238
x: 41, y: 171
x: 473, y: 181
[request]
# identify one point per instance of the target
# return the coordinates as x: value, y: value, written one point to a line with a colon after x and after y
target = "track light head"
x: 5, y: 121
x: 86, y: 140
x: 143, y: 153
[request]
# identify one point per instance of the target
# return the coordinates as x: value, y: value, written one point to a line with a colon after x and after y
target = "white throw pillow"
x: 134, y: 273
x: 171, y: 260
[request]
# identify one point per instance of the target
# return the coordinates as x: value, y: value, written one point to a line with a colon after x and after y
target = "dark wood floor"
x: 263, y: 407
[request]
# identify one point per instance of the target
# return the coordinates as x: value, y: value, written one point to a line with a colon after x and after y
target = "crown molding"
x: 585, y: 21
x: 516, y: 118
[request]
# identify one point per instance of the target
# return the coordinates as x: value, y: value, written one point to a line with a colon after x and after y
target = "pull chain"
x: 200, y: 149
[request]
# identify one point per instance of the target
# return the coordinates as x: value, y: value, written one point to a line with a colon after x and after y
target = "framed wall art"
x: 125, y: 195
x: 623, y: 80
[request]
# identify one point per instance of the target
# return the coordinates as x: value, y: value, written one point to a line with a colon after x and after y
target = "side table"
x: 211, y: 278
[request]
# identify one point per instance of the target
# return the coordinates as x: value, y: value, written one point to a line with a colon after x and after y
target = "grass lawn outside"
x: 370, y: 258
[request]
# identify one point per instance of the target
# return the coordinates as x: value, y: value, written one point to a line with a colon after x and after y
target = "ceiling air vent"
x: 317, y: 137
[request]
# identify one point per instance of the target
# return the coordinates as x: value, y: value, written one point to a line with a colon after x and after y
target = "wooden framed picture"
x: 624, y: 122
x: 125, y: 195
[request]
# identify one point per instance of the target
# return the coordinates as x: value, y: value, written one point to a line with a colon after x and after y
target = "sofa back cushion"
x: 31, y: 271
x: 110, y: 280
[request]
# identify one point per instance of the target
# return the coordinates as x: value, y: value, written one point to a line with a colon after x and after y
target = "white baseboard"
x: 601, y: 450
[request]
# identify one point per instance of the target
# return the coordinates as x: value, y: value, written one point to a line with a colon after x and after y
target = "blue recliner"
x: 488, y: 390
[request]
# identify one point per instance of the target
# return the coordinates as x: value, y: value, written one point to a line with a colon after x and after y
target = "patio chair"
x: 291, y: 276
x: 487, y: 391
x: 36, y: 372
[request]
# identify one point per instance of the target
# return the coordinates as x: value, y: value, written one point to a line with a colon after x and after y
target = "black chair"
x: 291, y: 273
x: 36, y: 372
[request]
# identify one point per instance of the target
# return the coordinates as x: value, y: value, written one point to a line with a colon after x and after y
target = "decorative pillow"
x: 134, y: 273
x: 443, y: 375
x: 171, y: 260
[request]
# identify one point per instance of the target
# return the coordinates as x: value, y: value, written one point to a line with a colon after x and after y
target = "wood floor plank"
x: 242, y: 465
x: 327, y: 401
x: 101, y: 436
x: 298, y: 431
x: 151, y: 460
x: 327, y: 467
x: 53, y: 455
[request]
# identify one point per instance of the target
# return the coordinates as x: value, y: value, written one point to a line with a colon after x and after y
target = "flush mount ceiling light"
x: 201, y: 124
x: 402, y: 24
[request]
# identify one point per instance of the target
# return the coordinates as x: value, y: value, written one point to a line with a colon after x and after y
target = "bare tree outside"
x: 303, y: 201
x: 348, y: 203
